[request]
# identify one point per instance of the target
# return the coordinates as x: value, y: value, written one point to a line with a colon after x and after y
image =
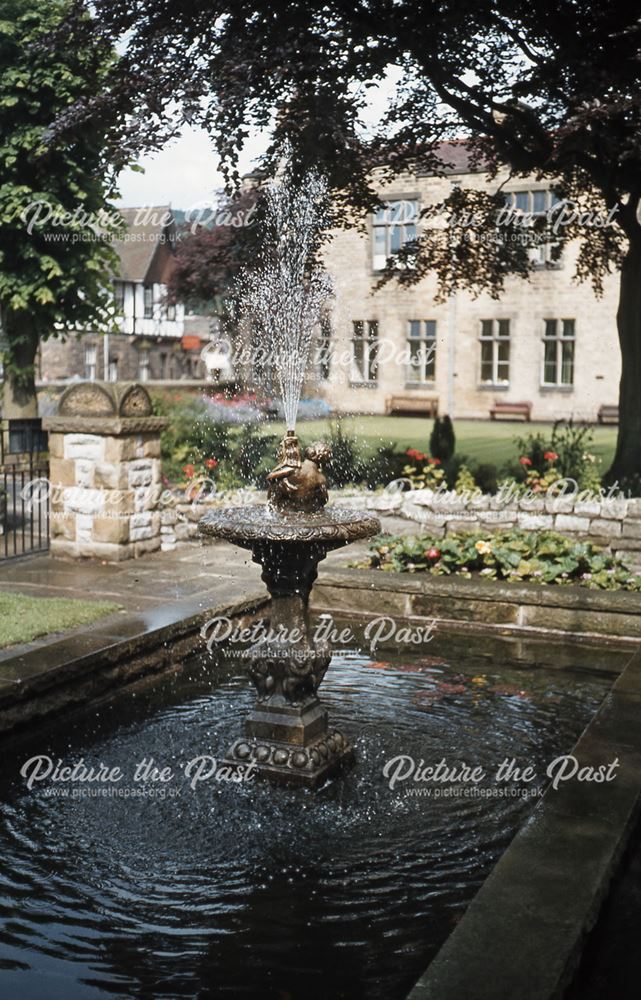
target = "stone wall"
x: 612, y: 523
x: 548, y: 293
x: 167, y: 358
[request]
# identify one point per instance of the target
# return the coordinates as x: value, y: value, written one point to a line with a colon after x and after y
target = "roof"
x: 148, y: 228
x: 456, y: 155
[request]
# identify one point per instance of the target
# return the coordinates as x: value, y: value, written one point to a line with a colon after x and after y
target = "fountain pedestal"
x: 287, y: 734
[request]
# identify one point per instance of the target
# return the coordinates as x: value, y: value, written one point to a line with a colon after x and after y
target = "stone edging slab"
x: 87, y: 665
x: 523, y: 932
x: 522, y: 608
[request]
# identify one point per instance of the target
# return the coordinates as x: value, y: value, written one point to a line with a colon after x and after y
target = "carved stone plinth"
x: 287, y: 733
x: 105, y: 472
x: 308, y: 766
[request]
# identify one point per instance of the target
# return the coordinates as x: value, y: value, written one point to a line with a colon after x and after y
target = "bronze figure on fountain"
x: 298, y: 483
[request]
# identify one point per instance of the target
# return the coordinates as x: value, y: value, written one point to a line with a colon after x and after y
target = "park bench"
x: 412, y: 404
x: 608, y: 414
x: 503, y: 409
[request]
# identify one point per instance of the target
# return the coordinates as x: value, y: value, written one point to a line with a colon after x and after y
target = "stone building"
x: 157, y: 342
x: 548, y: 342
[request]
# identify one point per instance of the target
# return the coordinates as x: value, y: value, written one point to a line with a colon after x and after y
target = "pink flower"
x: 435, y: 461
x: 189, y: 471
x: 433, y: 553
x: 524, y: 460
x: 550, y: 456
x: 210, y: 463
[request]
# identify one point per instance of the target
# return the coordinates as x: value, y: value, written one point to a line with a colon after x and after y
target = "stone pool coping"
x: 88, y: 665
x: 523, y: 932
x: 572, y: 613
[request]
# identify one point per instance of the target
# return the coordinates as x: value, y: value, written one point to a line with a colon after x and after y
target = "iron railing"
x: 24, y: 506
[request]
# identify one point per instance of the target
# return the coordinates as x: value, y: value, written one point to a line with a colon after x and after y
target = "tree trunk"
x: 626, y: 465
x: 19, y: 401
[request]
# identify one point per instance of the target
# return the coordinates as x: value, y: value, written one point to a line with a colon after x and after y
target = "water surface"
x: 260, y: 892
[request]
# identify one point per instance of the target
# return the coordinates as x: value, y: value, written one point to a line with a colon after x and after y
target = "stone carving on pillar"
x: 105, y: 474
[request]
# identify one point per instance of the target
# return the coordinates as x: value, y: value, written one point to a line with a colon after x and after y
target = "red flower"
x: 435, y: 461
x: 550, y: 456
x: 416, y: 455
x: 524, y: 460
x: 433, y: 553
x: 210, y: 463
x: 189, y: 471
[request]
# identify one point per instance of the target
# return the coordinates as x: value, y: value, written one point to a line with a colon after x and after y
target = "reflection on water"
x: 260, y: 892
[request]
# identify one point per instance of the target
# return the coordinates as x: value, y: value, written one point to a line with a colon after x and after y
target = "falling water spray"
x: 282, y: 296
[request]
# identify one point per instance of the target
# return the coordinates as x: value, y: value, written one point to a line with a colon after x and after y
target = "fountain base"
x: 303, y: 766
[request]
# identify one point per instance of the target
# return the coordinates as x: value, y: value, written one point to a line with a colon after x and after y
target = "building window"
x: 558, y: 352
x: 91, y: 355
x: 394, y: 225
x: 535, y: 203
x: 365, y: 350
x: 148, y: 301
x: 170, y: 311
x: 495, y: 351
x: 112, y: 371
x: 421, y: 345
x: 324, y: 355
x: 143, y: 365
x: 119, y: 297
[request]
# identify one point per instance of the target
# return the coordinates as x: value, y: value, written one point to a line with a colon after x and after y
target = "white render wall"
x: 134, y: 321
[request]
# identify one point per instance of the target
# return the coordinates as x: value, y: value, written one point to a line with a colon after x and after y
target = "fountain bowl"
x: 332, y: 527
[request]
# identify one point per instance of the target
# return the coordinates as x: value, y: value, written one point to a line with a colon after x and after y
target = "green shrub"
x: 512, y: 555
x: 570, y: 445
x: 486, y: 475
x: 253, y: 453
x: 465, y: 481
x: 385, y: 465
x: 533, y: 447
x: 195, y: 445
x: 346, y: 465
x: 442, y: 439
x: 191, y: 438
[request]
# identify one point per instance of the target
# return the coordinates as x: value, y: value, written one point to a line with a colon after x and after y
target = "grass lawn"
x: 23, y: 618
x: 481, y: 440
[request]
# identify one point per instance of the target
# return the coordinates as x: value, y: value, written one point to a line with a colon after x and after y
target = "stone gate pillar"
x: 105, y: 475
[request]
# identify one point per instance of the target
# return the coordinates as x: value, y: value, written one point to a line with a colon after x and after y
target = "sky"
x: 183, y: 173
x: 186, y: 171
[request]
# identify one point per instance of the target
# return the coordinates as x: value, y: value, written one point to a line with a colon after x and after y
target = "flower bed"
x: 513, y: 555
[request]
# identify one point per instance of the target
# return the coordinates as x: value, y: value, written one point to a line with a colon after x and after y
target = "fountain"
x: 287, y: 735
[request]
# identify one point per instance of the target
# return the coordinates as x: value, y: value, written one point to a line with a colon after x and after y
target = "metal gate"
x: 24, y: 503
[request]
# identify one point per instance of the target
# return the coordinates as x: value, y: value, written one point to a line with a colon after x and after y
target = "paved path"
x: 211, y: 572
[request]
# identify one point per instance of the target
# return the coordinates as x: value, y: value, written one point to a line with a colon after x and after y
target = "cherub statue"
x: 297, y: 484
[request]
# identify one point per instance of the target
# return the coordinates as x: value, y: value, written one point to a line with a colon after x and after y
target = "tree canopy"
x: 55, y: 213
x: 550, y: 89
x: 212, y: 249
